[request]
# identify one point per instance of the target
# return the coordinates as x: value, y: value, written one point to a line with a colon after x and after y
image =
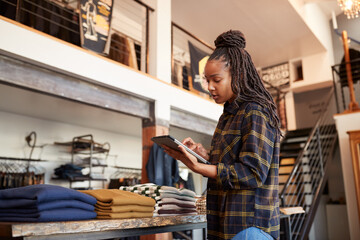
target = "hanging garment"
x: 161, y: 168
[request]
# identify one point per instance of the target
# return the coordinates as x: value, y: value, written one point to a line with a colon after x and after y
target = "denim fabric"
x: 252, y: 233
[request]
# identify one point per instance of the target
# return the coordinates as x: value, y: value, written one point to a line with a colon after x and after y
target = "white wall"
x: 126, y: 150
x: 344, y: 123
x: 319, y: 227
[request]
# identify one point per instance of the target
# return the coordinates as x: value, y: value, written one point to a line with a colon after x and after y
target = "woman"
x: 242, y: 191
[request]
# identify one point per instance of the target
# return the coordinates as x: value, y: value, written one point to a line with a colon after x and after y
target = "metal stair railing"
x: 308, y: 177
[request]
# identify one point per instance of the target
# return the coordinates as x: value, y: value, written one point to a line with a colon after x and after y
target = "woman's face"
x: 218, y: 77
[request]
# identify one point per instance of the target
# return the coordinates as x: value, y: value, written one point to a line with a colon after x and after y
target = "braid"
x: 246, y: 82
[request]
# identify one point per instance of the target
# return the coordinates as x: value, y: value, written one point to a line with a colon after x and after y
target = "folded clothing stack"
x: 71, y: 172
x: 45, y: 203
x: 169, y: 200
x: 114, y: 203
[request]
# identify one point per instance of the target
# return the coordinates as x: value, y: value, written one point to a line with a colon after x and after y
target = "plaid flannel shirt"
x: 245, y: 148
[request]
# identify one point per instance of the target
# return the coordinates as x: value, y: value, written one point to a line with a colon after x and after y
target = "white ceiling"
x: 274, y: 31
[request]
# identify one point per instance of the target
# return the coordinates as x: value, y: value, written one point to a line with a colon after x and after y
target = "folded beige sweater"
x: 124, y: 215
x: 123, y: 208
x: 115, y: 197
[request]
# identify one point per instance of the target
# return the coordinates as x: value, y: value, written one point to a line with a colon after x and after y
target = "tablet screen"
x: 173, y: 143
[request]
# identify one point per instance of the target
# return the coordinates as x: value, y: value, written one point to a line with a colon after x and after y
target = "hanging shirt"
x: 245, y: 148
x: 161, y: 168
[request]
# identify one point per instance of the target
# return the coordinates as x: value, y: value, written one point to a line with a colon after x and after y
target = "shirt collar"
x: 233, y: 107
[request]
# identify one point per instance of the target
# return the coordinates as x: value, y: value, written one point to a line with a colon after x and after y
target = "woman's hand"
x: 189, y: 160
x: 196, y: 147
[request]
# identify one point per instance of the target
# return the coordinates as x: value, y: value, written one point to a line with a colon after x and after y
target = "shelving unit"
x: 86, y: 146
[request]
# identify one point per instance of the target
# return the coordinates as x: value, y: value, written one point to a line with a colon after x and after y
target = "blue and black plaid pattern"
x: 245, y: 148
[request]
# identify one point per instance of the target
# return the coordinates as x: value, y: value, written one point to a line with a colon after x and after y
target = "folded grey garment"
x: 153, y: 188
x: 172, y: 211
x: 174, y: 207
x: 182, y: 191
x: 161, y: 196
x: 180, y: 205
x: 175, y: 201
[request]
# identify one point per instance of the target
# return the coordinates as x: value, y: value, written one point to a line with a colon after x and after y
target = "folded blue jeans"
x: 252, y: 233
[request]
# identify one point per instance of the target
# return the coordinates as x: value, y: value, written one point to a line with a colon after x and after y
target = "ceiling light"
x: 351, y: 8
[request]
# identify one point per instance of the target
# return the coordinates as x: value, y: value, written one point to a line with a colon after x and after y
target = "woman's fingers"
x: 189, y: 143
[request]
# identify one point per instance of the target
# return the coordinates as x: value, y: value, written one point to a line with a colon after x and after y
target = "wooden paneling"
x: 192, y: 122
x: 28, y: 76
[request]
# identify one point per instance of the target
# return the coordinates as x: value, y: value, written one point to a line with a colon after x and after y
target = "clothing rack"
x: 22, y: 159
x: 124, y: 176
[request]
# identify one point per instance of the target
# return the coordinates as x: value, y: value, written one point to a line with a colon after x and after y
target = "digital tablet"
x: 173, y: 143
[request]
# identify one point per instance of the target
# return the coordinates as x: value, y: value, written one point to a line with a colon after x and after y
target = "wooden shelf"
x: 101, y: 229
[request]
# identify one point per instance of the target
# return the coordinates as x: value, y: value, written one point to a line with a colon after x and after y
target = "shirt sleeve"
x: 253, y: 162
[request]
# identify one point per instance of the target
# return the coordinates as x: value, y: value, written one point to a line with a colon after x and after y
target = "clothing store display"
x: 114, y: 203
x: 161, y: 168
x: 41, y: 203
x: 169, y: 200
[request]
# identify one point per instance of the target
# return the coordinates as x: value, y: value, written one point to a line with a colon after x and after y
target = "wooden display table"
x: 100, y: 229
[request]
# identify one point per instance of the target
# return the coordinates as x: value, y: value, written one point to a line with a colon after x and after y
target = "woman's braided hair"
x: 246, y: 82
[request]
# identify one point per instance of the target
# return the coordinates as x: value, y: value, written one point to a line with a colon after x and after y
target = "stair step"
x: 296, y: 183
x: 284, y: 174
x: 289, y: 155
x: 292, y: 146
x: 295, y: 194
x: 296, y: 140
x: 298, y: 132
x: 296, y: 205
x: 286, y: 165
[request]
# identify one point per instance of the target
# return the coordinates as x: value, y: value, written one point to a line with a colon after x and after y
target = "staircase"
x: 304, y: 158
